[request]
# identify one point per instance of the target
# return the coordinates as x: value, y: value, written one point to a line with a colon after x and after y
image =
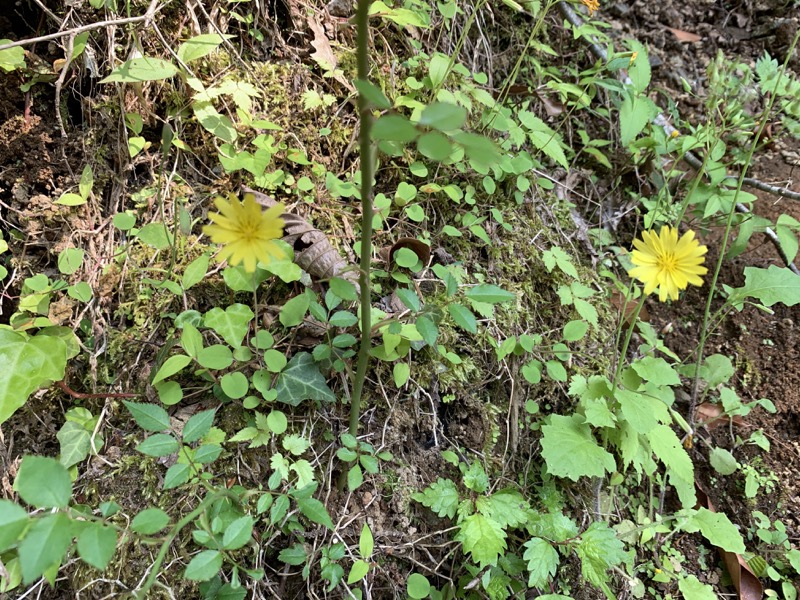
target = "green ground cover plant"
x: 294, y: 368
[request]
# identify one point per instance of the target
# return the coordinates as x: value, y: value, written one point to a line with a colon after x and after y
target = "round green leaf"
x: 394, y: 128
x: 434, y: 145
x: 234, y: 385
x: 150, y: 521
x: 216, y: 356
x: 418, y: 586
x: 277, y: 422
x: 70, y: 260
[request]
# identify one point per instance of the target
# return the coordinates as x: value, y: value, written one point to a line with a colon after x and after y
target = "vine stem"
x: 367, y: 168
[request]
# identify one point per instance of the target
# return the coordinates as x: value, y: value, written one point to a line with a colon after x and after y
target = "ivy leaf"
x: 301, y: 380
x: 232, y: 323
x: 668, y: 448
x: 483, y: 538
x: 599, y: 550
x: 570, y: 450
x: 542, y: 561
x: 441, y: 497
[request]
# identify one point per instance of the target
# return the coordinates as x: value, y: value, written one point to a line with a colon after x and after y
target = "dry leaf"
x: 313, y: 251
x: 323, y: 53
x: 684, y: 37
x: 744, y: 580
x: 710, y: 415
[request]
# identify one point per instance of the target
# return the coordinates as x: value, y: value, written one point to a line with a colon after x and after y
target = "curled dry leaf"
x: 313, y: 251
x: 744, y: 580
x: 421, y: 249
x: 684, y: 36
x: 712, y: 415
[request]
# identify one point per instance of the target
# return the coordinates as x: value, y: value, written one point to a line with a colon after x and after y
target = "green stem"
x: 623, y: 353
x: 367, y: 172
x: 705, y: 331
x: 162, y: 552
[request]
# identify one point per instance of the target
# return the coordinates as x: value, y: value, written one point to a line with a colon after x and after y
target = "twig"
x: 690, y: 157
x: 146, y: 17
x: 81, y: 396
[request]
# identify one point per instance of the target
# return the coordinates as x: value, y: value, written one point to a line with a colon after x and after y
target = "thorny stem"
x: 367, y: 172
x: 704, y: 330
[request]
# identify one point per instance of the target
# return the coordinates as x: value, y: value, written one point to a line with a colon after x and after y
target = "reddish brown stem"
x: 65, y: 388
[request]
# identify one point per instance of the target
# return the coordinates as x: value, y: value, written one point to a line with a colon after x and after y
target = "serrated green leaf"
x: 668, y: 448
x: 441, y: 497
x: 159, y: 444
x: 655, y: 368
x: 642, y: 411
x: 490, y: 294
x: 570, y: 450
x: 148, y: 416
x: 293, y: 555
x: 769, y: 286
x: 507, y: 507
x: 238, y: 533
x: 315, y: 511
x: 718, y: 529
x: 176, y: 475
x: 482, y: 538
x: 542, y: 562
x: 198, y: 425
x: 692, y: 589
x: 463, y: 317
x: 599, y: 550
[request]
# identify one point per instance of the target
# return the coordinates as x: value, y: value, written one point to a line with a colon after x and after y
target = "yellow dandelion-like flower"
x: 246, y: 233
x: 591, y: 5
x: 667, y: 263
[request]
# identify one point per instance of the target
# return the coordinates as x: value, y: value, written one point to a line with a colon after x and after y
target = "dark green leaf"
x: 96, y: 544
x: 301, y: 380
x: 148, y: 416
x: 160, y: 444
x: 198, y: 425
x: 150, y: 521
x: 204, y: 566
x: 43, y: 482
x: 45, y: 544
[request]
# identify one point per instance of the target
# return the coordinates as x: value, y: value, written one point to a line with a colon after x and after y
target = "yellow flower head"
x: 247, y: 234
x: 591, y: 6
x: 667, y: 263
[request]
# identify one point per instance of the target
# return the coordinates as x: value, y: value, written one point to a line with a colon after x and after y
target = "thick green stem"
x: 367, y: 172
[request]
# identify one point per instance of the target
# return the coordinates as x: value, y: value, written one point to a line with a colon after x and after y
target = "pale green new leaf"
x: 199, y: 46
x: 172, y: 366
x: 482, y: 538
x: 542, y: 561
x: 28, y: 364
x: 232, y: 323
x: 599, y: 550
x: 693, y: 589
x: 718, y: 529
x: 144, y: 68
x: 441, y: 497
x: 570, y: 450
x: 75, y: 444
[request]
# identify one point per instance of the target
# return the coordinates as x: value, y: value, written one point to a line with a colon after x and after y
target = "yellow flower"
x: 245, y: 232
x: 591, y: 5
x: 667, y: 263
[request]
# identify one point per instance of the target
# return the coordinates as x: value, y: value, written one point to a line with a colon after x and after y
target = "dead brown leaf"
x: 685, y: 37
x: 712, y: 415
x: 323, y: 53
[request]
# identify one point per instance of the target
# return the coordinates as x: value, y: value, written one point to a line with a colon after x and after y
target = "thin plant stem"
x: 624, y: 351
x: 705, y: 331
x: 367, y: 173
